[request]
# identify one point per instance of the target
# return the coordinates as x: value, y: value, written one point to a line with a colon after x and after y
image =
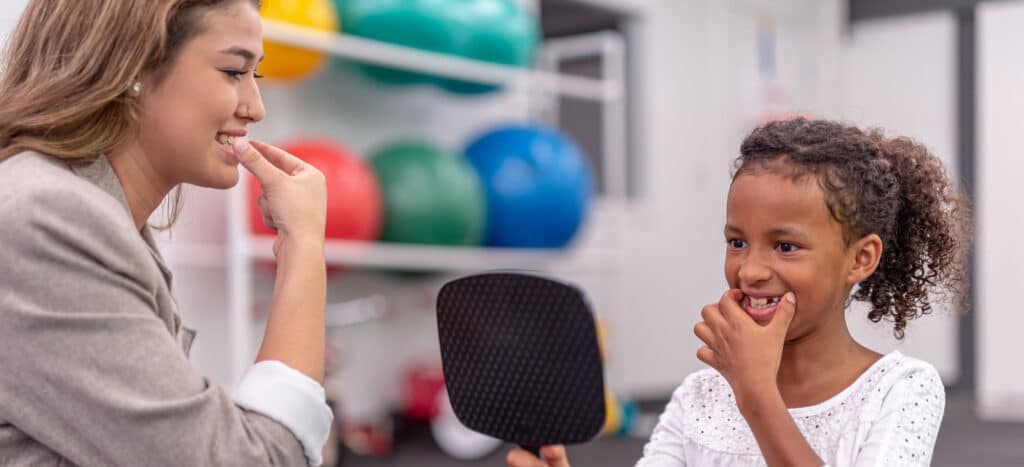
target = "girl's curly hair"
x: 892, y: 187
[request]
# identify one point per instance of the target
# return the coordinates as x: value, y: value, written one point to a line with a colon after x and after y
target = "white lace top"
x: 889, y: 416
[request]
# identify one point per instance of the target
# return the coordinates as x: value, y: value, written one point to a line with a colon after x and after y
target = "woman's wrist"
x: 302, y: 242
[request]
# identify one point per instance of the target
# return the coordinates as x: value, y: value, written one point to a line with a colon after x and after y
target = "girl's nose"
x: 753, y: 270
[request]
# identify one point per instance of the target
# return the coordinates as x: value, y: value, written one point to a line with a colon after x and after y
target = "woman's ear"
x: 866, y: 254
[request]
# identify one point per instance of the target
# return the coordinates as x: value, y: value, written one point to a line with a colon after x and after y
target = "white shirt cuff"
x: 292, y: 399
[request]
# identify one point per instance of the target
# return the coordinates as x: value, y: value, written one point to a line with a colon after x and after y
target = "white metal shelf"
x: 381, y: 255
x: 436, y: 257
x: 448, y: 66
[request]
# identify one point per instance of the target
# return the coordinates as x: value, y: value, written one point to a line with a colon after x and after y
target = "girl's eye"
x: 736, y: 243
x: 787, y: 247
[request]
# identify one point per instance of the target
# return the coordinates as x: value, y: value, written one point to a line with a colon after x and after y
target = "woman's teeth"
x: 763, y: 302
x: 225, y: 139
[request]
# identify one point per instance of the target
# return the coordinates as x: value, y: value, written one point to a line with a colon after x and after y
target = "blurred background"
x: 591, y: 140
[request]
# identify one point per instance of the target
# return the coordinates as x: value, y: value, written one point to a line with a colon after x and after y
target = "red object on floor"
x: 422, y: 385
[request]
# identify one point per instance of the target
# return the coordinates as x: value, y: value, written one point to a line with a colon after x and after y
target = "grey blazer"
x: 94, y: 364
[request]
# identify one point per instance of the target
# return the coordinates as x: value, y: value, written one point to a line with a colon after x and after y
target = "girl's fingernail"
x: 241, y: 143
x: 790, y: 297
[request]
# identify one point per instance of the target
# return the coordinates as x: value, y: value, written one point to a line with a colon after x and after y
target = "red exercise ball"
x: 354, y: 209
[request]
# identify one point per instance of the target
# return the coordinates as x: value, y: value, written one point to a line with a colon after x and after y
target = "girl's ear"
x: 867, y: 252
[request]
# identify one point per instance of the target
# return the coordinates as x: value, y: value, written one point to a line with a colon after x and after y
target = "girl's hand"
x: 294, y: 200
x: 554, y: 456
x: 746, y: 353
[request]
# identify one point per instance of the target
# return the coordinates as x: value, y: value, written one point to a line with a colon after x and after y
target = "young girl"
x: 817, y: 210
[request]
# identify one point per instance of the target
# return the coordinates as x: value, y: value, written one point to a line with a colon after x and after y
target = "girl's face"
x: 780, y: 237
x: 207, y: 95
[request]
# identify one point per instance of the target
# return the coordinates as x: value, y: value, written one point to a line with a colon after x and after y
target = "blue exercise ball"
x: 538, y: 186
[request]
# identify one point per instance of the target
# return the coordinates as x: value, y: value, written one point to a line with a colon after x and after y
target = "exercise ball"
x: 538, y: 184
x: 420, y: 24
x: 353, y: 197
x: 612, y: 414
x: 496, y: 31
x: 286, y: 62
x: 431, y: 195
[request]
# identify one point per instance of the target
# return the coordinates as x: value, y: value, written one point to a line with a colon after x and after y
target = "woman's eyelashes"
x: 238, y: 74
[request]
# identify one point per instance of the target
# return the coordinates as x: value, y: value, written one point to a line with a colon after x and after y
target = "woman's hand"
x: 294, y: 199
x: 554, y: 456
x: 746, y: 353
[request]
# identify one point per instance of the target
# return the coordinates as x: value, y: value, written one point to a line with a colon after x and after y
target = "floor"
x: 963, y: 441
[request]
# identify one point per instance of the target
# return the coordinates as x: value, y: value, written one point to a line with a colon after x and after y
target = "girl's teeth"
x: 225, y: 139
x: 763, y: 302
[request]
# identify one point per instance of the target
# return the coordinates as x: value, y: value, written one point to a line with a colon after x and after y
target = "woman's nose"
x: 251, y: 106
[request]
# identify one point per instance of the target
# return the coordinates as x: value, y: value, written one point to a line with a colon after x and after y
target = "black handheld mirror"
x: 521, y: 358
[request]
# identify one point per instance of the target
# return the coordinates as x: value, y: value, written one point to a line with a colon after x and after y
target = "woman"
x: 106, y: 107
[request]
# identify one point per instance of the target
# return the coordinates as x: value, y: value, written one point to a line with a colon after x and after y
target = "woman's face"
x: 207, y: 96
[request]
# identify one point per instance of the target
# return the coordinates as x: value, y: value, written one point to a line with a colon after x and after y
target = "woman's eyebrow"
x: 246, y: 54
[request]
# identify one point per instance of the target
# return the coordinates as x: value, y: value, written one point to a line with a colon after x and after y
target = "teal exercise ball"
x: 419, y: 24
x: 496, y: 31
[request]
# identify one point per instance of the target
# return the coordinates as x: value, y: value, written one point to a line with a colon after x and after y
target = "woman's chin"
x: 229, y: 181
x: 220, y: 179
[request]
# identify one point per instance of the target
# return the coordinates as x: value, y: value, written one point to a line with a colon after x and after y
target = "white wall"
x: 1000, y: 258
x: 10, y: 11
x: 899, y: 74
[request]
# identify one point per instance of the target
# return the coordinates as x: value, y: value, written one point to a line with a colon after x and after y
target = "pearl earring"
x: 137, y: 87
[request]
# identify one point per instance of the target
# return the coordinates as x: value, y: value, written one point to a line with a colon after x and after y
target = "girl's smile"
x: 760, y: 307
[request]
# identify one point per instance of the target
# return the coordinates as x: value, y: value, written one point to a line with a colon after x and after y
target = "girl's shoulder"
x: 902, y: 381
x: 706, y: 384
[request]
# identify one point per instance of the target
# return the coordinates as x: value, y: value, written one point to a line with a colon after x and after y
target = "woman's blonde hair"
x: 69, y: 64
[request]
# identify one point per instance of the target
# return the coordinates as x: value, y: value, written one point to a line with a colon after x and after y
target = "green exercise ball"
x: 431, y: 196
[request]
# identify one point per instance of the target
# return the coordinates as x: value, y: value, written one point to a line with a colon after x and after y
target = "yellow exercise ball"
x: 287, y: 62
x: 612, y: 414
